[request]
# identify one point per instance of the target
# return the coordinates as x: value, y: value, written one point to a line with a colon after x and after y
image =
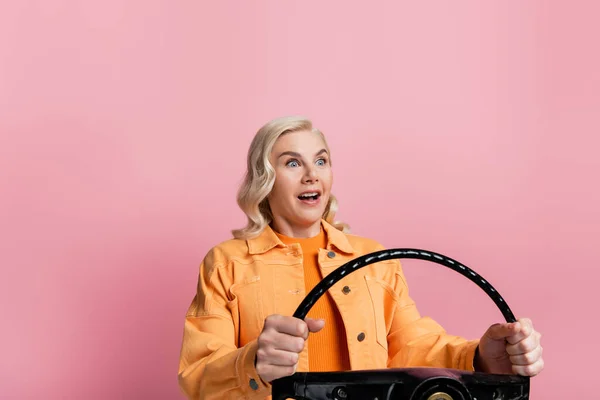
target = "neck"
x: 291, y: 230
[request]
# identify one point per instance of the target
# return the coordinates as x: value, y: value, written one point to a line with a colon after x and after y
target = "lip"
x: 320, y: 193
x: 310, y: 203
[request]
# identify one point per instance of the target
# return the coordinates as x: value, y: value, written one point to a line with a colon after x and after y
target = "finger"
x: 289, y: 325
x: 272, y: 356
x: 314, y: 325
x: 526, y: 345
x: 527, y: 358
x: 269, y: 373
x: 502, y: 331
x: 283, y: 341
x: 524, y: 331
x: 529, y: 370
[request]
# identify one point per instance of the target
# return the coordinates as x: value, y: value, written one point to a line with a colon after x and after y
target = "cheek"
x: 327, y: 179
x: 282, y: 185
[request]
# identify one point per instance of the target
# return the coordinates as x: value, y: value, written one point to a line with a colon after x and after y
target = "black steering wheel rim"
x: 297, y: 386
x: 401, y: 253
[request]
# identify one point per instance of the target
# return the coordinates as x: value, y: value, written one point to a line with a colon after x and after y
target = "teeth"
x: 309, y: 194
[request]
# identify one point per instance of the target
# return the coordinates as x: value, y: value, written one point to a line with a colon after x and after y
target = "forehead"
x: 300, y: 142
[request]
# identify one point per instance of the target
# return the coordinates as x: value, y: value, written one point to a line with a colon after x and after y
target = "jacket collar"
x: 267, y: 240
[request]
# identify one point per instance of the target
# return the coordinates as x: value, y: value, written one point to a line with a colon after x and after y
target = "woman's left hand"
x: 510, y: 348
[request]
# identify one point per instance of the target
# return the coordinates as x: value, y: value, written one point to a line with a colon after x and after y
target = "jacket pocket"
x: 382, y: 302
x: 247, y: 313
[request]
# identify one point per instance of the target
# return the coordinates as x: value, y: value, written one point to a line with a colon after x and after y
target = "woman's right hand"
x: 280, y: 344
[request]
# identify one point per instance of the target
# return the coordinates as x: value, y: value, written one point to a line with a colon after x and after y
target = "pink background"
x: 469, y: 129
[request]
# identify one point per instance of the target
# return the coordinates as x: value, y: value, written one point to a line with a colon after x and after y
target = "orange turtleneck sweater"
x: 333, y: 335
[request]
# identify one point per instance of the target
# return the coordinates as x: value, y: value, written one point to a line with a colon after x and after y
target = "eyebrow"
x: 294, y: 154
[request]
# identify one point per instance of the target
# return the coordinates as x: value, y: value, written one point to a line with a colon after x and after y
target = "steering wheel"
x: 417, y: 383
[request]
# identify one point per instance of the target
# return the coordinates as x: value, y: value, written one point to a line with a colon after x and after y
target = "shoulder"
x: 385, y: 270
x: 222, y: 253
x: 363, y: 244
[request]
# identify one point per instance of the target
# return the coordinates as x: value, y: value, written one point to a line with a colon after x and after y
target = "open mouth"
x: 309, y: 196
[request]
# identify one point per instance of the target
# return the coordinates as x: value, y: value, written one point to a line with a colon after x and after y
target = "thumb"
x: 502, y: 331
x: 314, y: 325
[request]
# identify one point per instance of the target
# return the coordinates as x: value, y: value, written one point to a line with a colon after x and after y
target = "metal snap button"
x: 346, y: 290
x: 330, y: 254
x: 253, y: 384
x: 361, y: 336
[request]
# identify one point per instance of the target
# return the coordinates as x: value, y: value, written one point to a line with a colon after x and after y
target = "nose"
x: 310, y: 175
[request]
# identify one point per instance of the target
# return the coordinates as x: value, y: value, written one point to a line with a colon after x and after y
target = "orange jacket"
x: 241, y: 282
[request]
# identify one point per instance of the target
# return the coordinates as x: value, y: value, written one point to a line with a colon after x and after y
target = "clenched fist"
x: 280, y: 344
x: 511, y: 348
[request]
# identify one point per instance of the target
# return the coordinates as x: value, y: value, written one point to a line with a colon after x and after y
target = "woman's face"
x: 303, y: 179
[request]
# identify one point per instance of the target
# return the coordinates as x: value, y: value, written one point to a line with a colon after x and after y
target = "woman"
x: 239, y: 334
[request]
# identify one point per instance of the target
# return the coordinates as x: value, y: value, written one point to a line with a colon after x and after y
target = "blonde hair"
x: 260, y: 177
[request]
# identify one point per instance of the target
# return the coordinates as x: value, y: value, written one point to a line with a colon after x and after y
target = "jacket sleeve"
x: 211, y: 366
x: 415, y: 341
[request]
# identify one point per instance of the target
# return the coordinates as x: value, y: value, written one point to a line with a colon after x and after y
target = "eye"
x: 293, y: 163
x: 321, y: 162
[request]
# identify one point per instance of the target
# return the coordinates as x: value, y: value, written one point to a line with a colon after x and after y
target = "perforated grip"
x: 383, y: 255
